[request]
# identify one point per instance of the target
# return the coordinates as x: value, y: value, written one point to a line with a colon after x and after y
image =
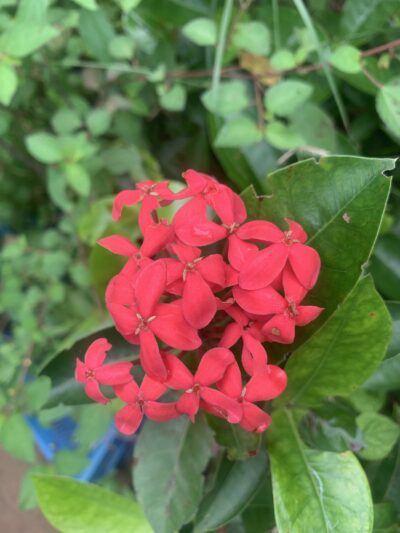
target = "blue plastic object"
x: 110, y: 451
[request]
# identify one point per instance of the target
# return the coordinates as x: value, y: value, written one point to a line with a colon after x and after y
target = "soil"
x: 12, y: 519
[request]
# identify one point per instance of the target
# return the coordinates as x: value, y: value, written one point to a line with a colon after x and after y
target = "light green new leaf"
x: 173, y: 99
x: 254, y: 37
x: 37, y: 392
x: 168, y: 476
x: 344, y: 352
x: 388, y: 105
x: 98, y: 121
x: 16, y: 438
x: 287, y: 96
x: 315, y: 492
x: 315, y: 126
x: 121, y: 47
x: 347, y: 59
x: 379, y: 434
x: 75, y: 507
x: 201, y: 31
x: 283, y: 60
x: 44, y: 147
x: 65, y: 120
x: 241, y: 131
x: 283, y: 136
x: 87, y: 4
x: 230, y: 97
x: 236, y: 484
x: 78, y: 178
x: 8, y: 83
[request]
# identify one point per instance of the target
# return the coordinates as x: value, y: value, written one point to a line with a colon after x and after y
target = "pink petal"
x: 150, y: 357
x: 192, y: 226
x: 266, y: 385
x: 96, y: 353
x: 174, y: 269
x: 238, y: 315
x: 186, y: 254
x: 231, y: 335
x: 266, y: 301
x: 254, y: 355
x: 125, y: 198
x: 150, y: 285
x: 160, y: 412
x: 298, y: 232
x: 196, y: 183
x: 117, y: 244
x: 128, y: 419
x: 146, y: 217
x: 239, y: 251
x: 213, y: 269
x: 155, y: 238
x: 151, y: 389
x: 128, y: 392
x: 198, y: 303
x: 213, y: 365
x: 226, y: 407
x: 114, y: 373
x: 171, y: 327
x: 305, y: 263
x: 293, y: 289
x: 254, y: 418
x: 93, y: 391
x: 125, y: 319
x: 260, y: 230
x: 228, y: 205
x: 264, y: 267
x: 306, y: 314
x: 120, y: 290
x: 231, y: 383
x: 80, y: 371
x: 280, y: 328
x: 179, y: 376
x: 188, y: 404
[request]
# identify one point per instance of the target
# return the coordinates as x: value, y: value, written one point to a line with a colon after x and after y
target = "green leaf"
x: 379, y: 433
x: 66, y: 120
x: 75, y: 507
x: 283, y: 60
x: 87, y: 4
x: 344, y: 352
x: 313, y: 490
x: 201, y: 31
x: 254, y: 37
x: 241, y: 131
x: 8, y: 83
x: 78, y: 178
x: 258, y: 516
x: 36, y: 393
x: 385, y: 265
x: 385, y: 518
x: 16, y: 438
x: 287, y: 96
x: 347, y: 59
x: 282, y: 136
x: 337, y: 213
x: 96, y: 31
x: 98, y: 121
x: 173, y: 99
x: 240, y: 444
x: 121, y: 47
x: 315, y: 126
x: 230, y: 97
x: 168, y: 476
x: 44, y: 147
x: 387, y: 377
x: 388, y: 105
x: 235, y: 485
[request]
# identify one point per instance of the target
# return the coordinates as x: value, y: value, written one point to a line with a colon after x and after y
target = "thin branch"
x: 219, y: 53
x: 372, y: 79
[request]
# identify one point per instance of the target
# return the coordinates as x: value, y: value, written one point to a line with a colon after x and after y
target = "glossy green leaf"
x: 385, y: 266
x: 201, y: 31
x: 344, y: 352
x: 235, y: 485
x: 287, y: 96
x: 241, y: 131
x: 44, y: 147
x: 388, y: 105
x: 379, y: 434
x: 258, y: 516
x: 168, y: 477
x: 230, y: 97
x: 254, y: 37
x: 313, y: 490
x: 8, y: 83
x: 16, y: 438
x: 336, y: 212
x: 75, y: 507
x: 347, y: 59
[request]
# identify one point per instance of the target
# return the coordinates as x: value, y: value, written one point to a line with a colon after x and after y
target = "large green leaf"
x: 168, y: 476
x: 315, y: 491
x: 339, y: 201
x: 385, y: 266
x: 258, y: 516
x: 380, y: 434
x: 344, y: 352
x: 75, y: 507
x: 236, y: 484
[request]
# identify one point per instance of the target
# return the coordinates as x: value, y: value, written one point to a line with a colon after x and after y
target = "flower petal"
x: 155, y: 238
x: 117, y: 244
x: 171, y: 327
x: 225, y: 406
x: 306, y: 264
x: 254, y: 418
x: 293, y: 289
x: 114, y: 373
x: 150, y: 285
x: 298, y: 232
x: 92, y: 390
x: 240, y: 251
x: 254, y: 355
x: 213, y: 365
x: 188, y: 404
x: 306, y: 314
x: 264, y: 268
x: 150, y: 356
x: 266, y: 384
x: 80, y: 371
x: 125, y: 198
x: 260, y: 230
x: 96, y: 353
x: 198, y: 302
x: 120, y: 290
x: 179, y: 376
x: 280, y: 328
x: 231, y: 383
x: 125, y: 319
x: 151, y: 389
x: 186, y: 254
x: 160, y: 412
x: 192, y: 226
x: 231, y: 335
x: 266, y: 301
x: 128, y: 392
x: 213, y: 269
x: 128, y: 419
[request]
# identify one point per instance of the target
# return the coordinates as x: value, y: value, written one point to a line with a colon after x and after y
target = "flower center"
x: 291, y: 308
x: 140, y: 402
x: 288, y: 239
x: 143, y: 323
x: 231, y: 228
x: 189, y: 267
x: 89, y: 374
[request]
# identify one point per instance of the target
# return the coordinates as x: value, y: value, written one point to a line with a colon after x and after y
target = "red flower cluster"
x: 201, y: 286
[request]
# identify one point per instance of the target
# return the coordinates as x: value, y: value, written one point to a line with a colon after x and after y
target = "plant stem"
x: 216, y: 74
x: 277, y: 30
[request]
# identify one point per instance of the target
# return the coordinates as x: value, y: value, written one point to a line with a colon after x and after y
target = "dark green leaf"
x: 385, y: 266
x: 258, y: 517
x: 96, y: 32
x: 379, y: 433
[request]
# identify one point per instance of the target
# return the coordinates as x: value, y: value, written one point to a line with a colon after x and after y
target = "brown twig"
x: 371, y: 78
x: 259, y: 104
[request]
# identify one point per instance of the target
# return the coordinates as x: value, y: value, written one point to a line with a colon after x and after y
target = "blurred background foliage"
x: 95, y: 95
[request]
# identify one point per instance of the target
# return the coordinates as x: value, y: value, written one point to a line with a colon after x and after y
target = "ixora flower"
x: 199, y: 290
